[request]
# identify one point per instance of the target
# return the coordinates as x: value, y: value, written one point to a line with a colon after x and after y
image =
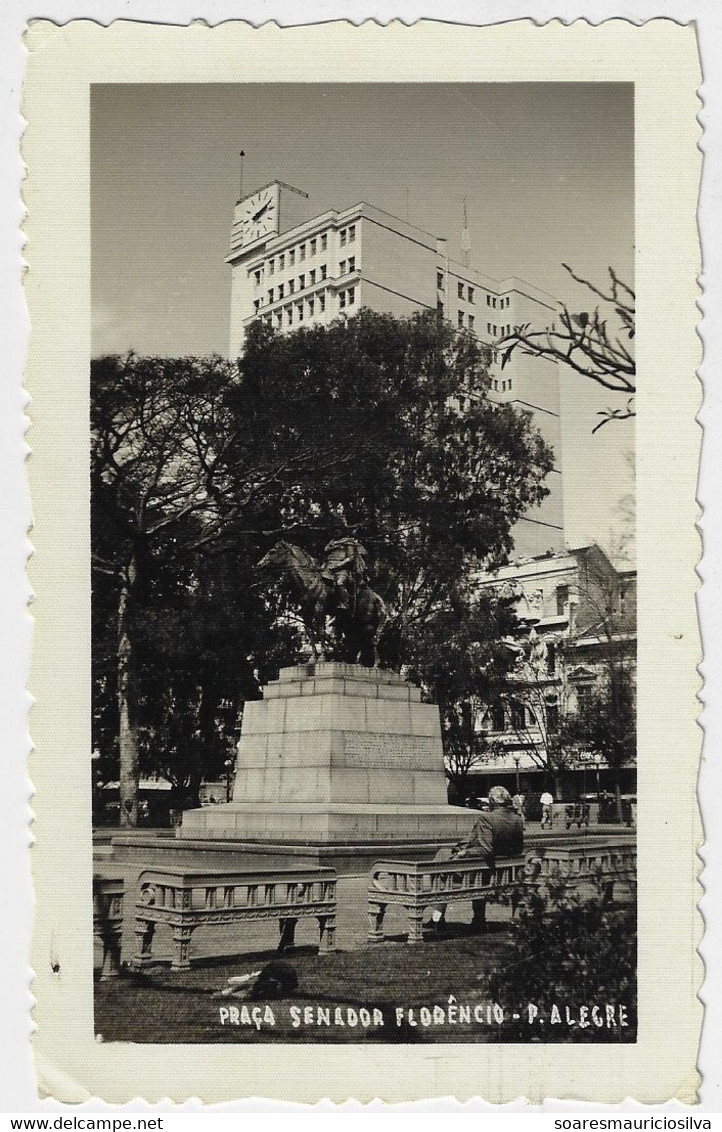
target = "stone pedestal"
x: 336, y: 754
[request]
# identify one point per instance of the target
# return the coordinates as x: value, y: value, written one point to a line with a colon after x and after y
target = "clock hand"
x: 261, y: 211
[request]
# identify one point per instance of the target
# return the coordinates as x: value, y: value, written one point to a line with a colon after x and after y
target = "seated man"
x: 497, y: 834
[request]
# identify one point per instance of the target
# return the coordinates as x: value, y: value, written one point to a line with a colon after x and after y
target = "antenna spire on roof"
x: 465, y: 238
x: 242, y: 154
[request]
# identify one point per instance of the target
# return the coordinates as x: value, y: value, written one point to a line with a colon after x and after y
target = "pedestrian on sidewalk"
x: 547, y: 802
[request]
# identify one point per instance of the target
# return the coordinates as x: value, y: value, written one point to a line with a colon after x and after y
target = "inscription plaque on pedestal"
x: 337, y: 753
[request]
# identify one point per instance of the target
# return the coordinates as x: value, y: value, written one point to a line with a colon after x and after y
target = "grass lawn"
x: 352, y: 996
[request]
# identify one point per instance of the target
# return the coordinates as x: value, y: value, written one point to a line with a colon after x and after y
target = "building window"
x: 488, y: 328
x: 292, y: 257
x: 498, y: 717
x: 552, y: 714
x: 324, y: 242
x: 471, y: 322
x: 291, y: 286
x: 312, y: 247
x: 439, y: 307
x: 289, y: 315
x: 460, y: 318
x: 352, y: 233
x: 551, y: 658
x: 256, y: 305
x: 351, y: 295
x: 471, y: 294
x: 270, y: 295
x: 299, y: 311
x: 584, y: 698
x: 342, y: 237
x: 323, y: 271
x: 440, y: 280
x: 281, y: 262
x: 342, y: 299
x: 460, y: 290
x: 302, y: 253
x: 271, y: 266
x: 518, y: 715
x: 310, y: 308
x: 503, y: 387
x: 279, y: 319
x: 488, y: 300
x: 257, y: 275
x: 322, y: 302
x: 301, y: 282
x: 280, y: 290
x: 342, y: 267
x: 312, y: 277
x: 352, y: 263
x: 562, y: 600
x: 495, y: 333
x: 496, y: 384
x: 509, y: 385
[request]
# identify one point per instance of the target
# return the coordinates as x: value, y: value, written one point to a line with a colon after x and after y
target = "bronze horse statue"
x: 358, y: 627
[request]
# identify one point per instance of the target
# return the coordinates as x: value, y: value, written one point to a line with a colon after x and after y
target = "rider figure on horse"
x: 345, y: 569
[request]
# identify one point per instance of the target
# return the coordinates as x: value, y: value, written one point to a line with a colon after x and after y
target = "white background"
x: 17, y: 1087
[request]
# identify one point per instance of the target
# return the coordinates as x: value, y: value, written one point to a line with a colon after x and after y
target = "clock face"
x: 260, y: 215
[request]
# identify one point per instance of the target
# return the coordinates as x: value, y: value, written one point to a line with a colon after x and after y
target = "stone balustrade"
x: 186, y: 900
x: 108, y: 896
x: 573, y: 867
x: 417, y: 885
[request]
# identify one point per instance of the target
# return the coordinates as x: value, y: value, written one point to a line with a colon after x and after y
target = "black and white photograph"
x: 365, y: 685
x: 363, y: 552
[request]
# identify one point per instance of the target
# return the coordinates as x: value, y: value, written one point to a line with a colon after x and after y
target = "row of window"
x: 460, y: 320
x: 347, y: 297
x: 315, y: 245
x: 315, y: 275
x: 305, y: 279
x: 294, y: 313
x: 297, y: 312
x: 347, y: 235
x: 298, y: 254
x: 466, y: 292
x: 501, y: 386
x: 497, y: 331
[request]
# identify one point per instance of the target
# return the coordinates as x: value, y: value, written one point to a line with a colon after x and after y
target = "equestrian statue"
x: 335, y: 589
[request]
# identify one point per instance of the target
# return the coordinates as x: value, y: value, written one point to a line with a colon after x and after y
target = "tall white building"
x: 292, y: 269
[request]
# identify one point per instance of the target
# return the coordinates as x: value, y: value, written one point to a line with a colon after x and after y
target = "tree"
x: 608, y: 725
x: 460, y: 661
x: 177, y: 627
x: 537, y: 708
x: 426, y: 470
x: 151, y: 480
x: 376, y: 426
x: 588, y: 344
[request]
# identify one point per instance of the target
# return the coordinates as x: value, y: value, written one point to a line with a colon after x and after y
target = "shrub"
x: 569, y: 953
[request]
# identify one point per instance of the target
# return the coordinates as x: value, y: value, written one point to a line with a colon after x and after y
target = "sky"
x: 547, y: 171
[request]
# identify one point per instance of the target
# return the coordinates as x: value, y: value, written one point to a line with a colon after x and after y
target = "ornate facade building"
x: 578, y: 631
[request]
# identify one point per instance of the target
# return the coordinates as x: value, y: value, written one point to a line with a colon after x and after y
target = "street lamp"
x: 597, y: 765
x: 517, y: 760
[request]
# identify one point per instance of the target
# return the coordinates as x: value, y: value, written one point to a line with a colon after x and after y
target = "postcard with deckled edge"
x: 365, y: 738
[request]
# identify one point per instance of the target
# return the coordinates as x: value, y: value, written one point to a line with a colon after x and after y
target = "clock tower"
x: 263, y: 214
